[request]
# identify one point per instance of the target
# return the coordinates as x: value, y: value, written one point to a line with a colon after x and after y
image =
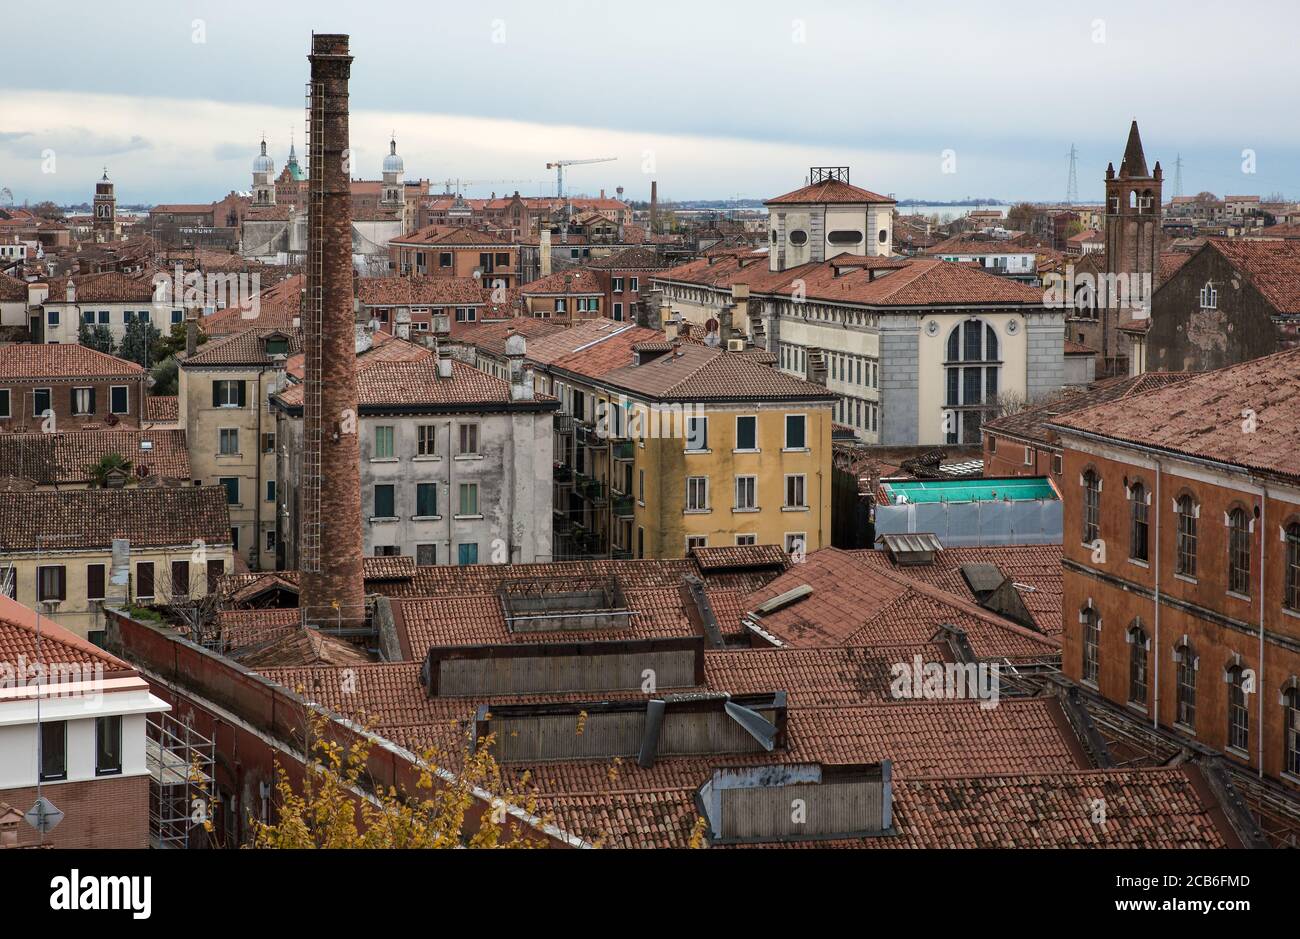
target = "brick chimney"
x: 330, y: 542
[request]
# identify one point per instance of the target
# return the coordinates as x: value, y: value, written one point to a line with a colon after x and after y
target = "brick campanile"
x: 332, y: 590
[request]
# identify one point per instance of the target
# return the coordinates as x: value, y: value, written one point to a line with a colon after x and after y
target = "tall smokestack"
x: 654, y: 205
x: 332, y: 588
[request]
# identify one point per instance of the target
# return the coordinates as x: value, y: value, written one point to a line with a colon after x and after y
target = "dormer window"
x: 277, y: 344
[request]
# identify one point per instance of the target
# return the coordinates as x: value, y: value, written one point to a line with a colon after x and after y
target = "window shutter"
x: 243, y: 394
x: 216, y: 394
x: 93, y: 408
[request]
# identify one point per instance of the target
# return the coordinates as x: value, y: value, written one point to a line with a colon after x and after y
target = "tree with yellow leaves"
x: 337, y: 808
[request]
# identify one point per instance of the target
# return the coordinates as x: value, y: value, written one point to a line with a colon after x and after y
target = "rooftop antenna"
x: 1072, y: 186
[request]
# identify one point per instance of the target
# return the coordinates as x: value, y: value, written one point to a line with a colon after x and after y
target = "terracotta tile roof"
x: 1273, y: 267
x: 414, y: 384
x: 860, y: 601
x: 110, y: 287
x: 180, y: 208
x: 741, y: 556
x: 965, y: 245
x: 1147, y: 808
x: 491, y: 336
x: 629, y: 259
x: 1203, y: 416
x: 1078, y: 348
x: 563, y: 284
x: 585, y: 336
x: 61, y: 360
x: 65, y: 458
x: 829, y: 192
x: 420, y: 291
x: 450, y: 236
x: 1036, y: 566
x: 57, y: 644
x: 12, y: 289
x: 298, y: 647
x: 162, y: 408
x: 1169, y: 263
x: 908, y: 282
x: 278, y: 307
x: 149, y: 517
x: 700, y: 373
x: 1032, y: 424
x: 243, y: 348
x: 268, y: 213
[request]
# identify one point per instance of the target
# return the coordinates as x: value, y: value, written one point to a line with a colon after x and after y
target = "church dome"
x: 263, y: 163
x: 393, y: 163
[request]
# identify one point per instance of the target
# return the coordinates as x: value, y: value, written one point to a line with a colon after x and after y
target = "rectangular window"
x: 617, y: 283
x: 468, y: 438
x: 426, y: 555
x: 83, y: 401
x: 228, y: 438
x: 696, y: 541
x: 231, y: 484
x: 634, y: 284
x: 51, y: 583
x: 746, y: 539
x: 425, y: 438
x: 444, y: 259
x: 270, y: 490
x: 270, y: 540
x: 40, y: 402
x: 234, y: 538
x: 697, y: 493
x: 795, y: 432
x: 117, y: 400
x: 469, y: 498
x: 144, y: 580
x: 228, y: 393
x: 426, y: 499
x: 640, y: 486
x: 747, y: 432
x: 384, y: 500
x: 268, y: 443
x: 387, y: 551
x: 216, y: 569
x: 746, y: 492
x: 54, y: 750
x: 384, y: 442
x: 180, y: 579
x: 794, y: 492
x: 94, y: 581
x: 467, y: 553
x: 697, y: 433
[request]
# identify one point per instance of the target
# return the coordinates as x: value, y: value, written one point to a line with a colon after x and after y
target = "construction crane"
x: 465, y: 183
x: 559, y: 166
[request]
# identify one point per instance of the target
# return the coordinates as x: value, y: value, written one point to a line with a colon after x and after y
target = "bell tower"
x: 1133, y: 211
x: 104, y: 223
x: 263, y: 178
x: 391, y: 196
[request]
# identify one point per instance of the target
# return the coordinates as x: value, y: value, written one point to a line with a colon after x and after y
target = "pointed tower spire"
x: 1135, y: 161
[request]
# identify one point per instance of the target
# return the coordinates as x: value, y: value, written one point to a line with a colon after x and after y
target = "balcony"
x: 588, y: 436
x: 624, y: 507
x: 593, y: 490
x: 564, y: 423
x: 624, y: 451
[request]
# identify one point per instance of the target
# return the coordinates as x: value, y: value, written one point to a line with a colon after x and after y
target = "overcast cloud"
x: 713, y: 99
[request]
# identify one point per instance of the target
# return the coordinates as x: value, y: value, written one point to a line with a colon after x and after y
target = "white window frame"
x: 753, y: 494
x: 803, y: 491
x: 695, y: 483
x: 785, y: 429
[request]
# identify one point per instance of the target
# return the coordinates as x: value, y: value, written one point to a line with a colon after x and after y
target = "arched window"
x: 1137, y: 664
x: 1186, y: 554
x: 971, y: 373
x: 1139, y: 530
x: 1091, y: 507
x: 1091, y: 644
x: 1239, y: 552
x: 1238, y: 710
x: 1291, y: 731
x: 1291, y: 593
x: 1185, y: 676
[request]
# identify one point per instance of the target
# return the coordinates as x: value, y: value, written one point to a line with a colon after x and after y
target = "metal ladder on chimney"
x: 309, y: 524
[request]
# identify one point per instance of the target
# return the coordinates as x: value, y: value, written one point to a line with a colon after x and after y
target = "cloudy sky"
x: 712, y: 98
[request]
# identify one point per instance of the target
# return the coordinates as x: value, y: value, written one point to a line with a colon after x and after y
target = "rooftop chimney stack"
x: 544, y: 249
x: 330, y: 543
x: 654, y: 206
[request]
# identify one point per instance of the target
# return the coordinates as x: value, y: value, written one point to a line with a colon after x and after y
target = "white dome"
x: 393, y: 163
x: 263, y: 163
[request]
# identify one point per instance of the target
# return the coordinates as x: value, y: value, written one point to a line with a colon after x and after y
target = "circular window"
x: 845, y: 237
x: 798, y: 237
x: 884, y: 236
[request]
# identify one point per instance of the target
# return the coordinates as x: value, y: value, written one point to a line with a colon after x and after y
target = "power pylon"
x: 1072, y: 187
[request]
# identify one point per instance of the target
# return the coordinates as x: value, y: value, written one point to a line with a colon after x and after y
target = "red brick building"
x: 623, y: 277
x: 439, y: 251
x: 1182, y: 559
x: 84, y: 389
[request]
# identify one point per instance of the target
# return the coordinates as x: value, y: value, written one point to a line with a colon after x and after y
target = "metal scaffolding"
x: 180, y: 761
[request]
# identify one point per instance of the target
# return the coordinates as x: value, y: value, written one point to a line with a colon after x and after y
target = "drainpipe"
x: 1155, y: 641
x: 1259, y: 681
